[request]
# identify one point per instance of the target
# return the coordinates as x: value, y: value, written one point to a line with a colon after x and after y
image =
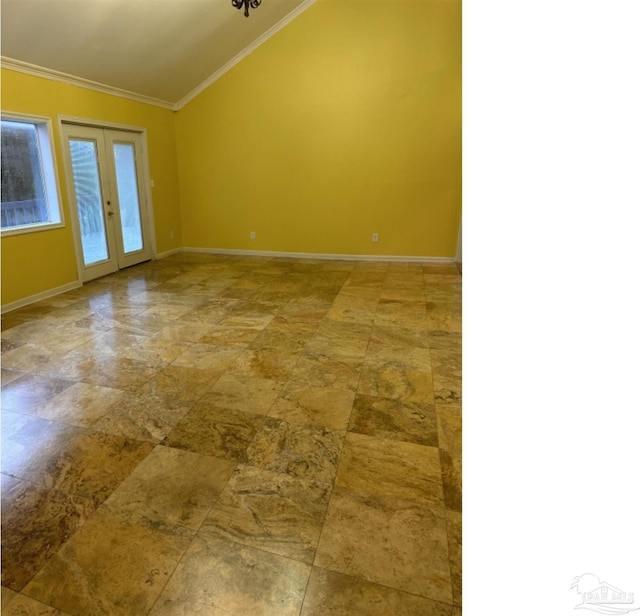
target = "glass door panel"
x: 127, y: 183
x: 86, y: 181
x: 108, y: 198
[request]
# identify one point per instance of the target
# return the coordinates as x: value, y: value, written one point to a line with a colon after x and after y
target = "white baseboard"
x: 317, y: 255
x: 241, y: 253
x: 25, y: 301
x: 168, y: 253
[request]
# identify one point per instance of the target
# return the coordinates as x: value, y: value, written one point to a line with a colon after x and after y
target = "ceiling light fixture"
x: 246, y: 4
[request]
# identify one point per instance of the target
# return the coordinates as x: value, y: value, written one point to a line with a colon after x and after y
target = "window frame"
x: 48, y: 160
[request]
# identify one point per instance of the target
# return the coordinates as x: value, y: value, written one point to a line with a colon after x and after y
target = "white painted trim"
x: 243, y: 54
x: 67, y: 119
x: 50, y: 172
x: 324, y: 256
x: 46, y: 73
x: 168, y: 253
x: 25, y: 301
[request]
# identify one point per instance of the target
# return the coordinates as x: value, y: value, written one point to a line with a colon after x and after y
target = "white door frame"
x: 145, y: 189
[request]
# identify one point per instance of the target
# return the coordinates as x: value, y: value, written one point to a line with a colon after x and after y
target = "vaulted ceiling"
x: 165, y: 50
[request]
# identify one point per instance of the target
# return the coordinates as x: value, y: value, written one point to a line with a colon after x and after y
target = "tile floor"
x: 205, y: 435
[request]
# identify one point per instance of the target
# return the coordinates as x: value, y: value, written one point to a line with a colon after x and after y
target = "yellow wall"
x: 345, y: 123
x: 33, y: 263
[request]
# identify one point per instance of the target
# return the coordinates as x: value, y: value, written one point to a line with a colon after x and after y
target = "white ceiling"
x: 162, y: 49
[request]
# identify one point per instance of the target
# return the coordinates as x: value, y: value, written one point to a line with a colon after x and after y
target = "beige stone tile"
x: 339, y: 340
x: 254, y: 320
x: 407, y: 355
x: 413, y: 422
x: 443, y: 291
x: 169, y: 310
x: 7, y: 596
x: 265, y: 364
x: 305, y: 451
x: 8, y: 482
x: 49, y: 332
x: 217, y: 576
x: 445, y: 341
x: 159, y: 350
x: 445, y: 316
x: 110, y: 567
x: 208, y: 358
x: 8, y: 376
x: 391, y: 468
x: 450, y: 428
x: 325, y: 372
x: 348, y: 302
x: 30, y: 442
x: 399, y: 308
x: 398, y: 543
x: 451, y: 479
x: 172, y: 486
x: 28, y: 393
x: 35, y: 523
x: 454, y: 534
x: 95, y: 322
x: 338, y: 331
x: 366, y: 279
x: 396, y: 336
x: 28, y: 357
x: 133, y: 322
x: 104, y: 368
x: 301, y: 326
x: 81, y: 404
x: 211, y: 431
x: 396, y: 379
x: 334, y: 594
x: 178, y: 386
x: 328, y: 407
x: 447, y: 376
x: 141, y: 416
x: 122, y: 344
x: 408, y: 294
x: 271, y: 511
x: 24, y: 606
x: 92, y: 464
x: 443, y: 269
x: 309, y: 308
x: 280, y: 340
x: 210, y: 313
x: 226, y: 335
x: 351, y: 312
x: 243, y: 393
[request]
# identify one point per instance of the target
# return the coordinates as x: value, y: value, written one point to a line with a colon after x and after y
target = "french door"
x: 108, y: 194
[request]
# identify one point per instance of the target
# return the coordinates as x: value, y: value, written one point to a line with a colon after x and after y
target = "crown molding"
x: 243, y: 54
x: 46, y: 73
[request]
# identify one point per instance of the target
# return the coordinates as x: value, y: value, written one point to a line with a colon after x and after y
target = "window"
x: 29, y: 188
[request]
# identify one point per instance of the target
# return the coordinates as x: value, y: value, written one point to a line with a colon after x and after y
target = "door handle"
x: 109, y: 213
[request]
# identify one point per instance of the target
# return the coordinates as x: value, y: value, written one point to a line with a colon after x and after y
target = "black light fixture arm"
x: 246, y: 4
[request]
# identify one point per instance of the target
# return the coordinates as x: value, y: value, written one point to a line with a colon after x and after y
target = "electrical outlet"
x: 172, y: 234
x: 374, y: 237
x: 252, y: 235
